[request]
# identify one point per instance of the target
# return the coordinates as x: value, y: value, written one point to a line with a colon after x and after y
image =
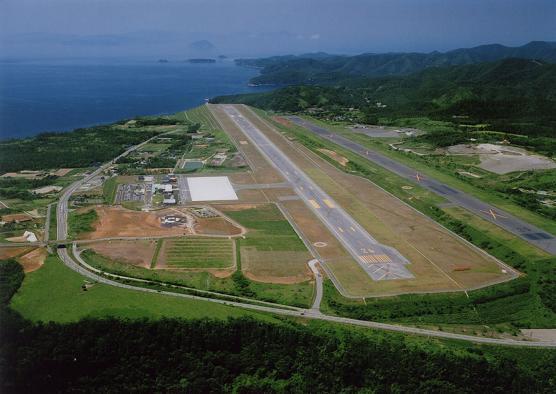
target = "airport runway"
x: 379, y: 261
x: 505, y: 220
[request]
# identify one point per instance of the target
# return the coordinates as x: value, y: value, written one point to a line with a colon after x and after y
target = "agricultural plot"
x: 154, y: 147
x: 197, y: 253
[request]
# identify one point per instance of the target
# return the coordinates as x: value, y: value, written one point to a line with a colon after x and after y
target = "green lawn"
x: 79, y: 223
x: 268, y: 229
x: 154, y: 147
x: 109, y: 189
x: 54, y: 293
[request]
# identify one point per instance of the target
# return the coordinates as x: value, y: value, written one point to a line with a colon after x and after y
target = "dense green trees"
x: 79, y: 148
x: 512, y: 95
x: 248, y: 356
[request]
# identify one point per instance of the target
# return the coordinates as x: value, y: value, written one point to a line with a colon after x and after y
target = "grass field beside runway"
x: 439, y: 260
x: 54, y: 293
x: 492, y: 231
x: 428, y: 169
x: 271, y: 251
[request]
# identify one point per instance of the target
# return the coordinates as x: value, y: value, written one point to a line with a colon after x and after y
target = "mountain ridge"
x: 322, y: 68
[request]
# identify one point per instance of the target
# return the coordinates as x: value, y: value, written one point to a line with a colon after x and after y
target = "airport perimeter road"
x: 318, y: 285
x: 503, y: 219
x: 304, y: 313
x: 381, y: 262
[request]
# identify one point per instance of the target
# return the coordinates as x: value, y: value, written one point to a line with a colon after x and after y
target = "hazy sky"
x: 166, y: 28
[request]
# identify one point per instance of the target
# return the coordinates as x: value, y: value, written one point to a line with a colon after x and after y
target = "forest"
x: 80, y: 148
x: 247, y: 356
x: 510, y: 95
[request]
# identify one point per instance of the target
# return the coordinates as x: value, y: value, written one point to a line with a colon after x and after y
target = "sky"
x: 168, y: 28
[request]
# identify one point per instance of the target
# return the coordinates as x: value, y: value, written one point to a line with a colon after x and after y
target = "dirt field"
x: 33, y: 260
x: 61, y: 171
x: 121, y: 222
x: 17, y: 217
x: 215, y: 226
x: 282, y: 267
x: 502, y: 159
x: 117, y: 221
x: 282, y: 121
x: 334, y: 156
x: 6, y: 253
x: 435, y: 253
x: 139, y: 253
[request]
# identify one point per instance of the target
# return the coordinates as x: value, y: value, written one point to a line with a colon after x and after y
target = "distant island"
x: 201, y: 60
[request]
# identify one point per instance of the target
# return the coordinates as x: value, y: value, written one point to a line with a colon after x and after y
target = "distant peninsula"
x: 201, y: 60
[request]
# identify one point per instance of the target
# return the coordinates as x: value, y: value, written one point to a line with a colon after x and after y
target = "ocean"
x: 39, y: 97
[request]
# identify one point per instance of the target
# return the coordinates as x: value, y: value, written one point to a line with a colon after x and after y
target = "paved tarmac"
x: 380, y: 261
x: 503, y: 219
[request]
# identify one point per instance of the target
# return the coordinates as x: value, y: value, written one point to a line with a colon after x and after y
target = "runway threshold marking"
x: 314, y: 204
x: 375, y: 258
x: 329, y: 203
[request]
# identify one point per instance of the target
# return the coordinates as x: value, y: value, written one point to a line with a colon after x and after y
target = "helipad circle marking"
x: 407, y: 187
x: 320, y: 244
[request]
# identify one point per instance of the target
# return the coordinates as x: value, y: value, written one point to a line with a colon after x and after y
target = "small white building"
x: 169, y: 200
x: 31, y: 237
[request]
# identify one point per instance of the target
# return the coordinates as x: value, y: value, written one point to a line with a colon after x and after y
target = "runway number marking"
x: 341, y: 229
x: 314, y: 204
x: 329, y: 203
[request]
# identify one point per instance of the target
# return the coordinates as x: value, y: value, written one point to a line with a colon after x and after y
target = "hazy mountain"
x: 323, y: 68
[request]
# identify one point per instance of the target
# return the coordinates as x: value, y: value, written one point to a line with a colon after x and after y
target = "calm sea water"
x: 59, y: 97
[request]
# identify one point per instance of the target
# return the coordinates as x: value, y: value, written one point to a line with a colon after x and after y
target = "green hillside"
x: 513, y: 95
x: 322, y: 68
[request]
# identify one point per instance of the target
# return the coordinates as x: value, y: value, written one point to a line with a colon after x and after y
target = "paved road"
x: 318, y: 285
x: 380, y: 262
x: 62, y: 207
x: 47, y: 224
x: 307, y: 313
x: 508, y: 222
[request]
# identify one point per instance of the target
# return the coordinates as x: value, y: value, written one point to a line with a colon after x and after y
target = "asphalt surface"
x: 291, y: 311
x: 318, y: 285
x: 503, y: 219
x: 47, y: 224
x: 380, y: 262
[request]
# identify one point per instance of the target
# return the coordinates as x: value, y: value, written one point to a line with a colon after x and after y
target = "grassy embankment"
x: 55, y: 293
